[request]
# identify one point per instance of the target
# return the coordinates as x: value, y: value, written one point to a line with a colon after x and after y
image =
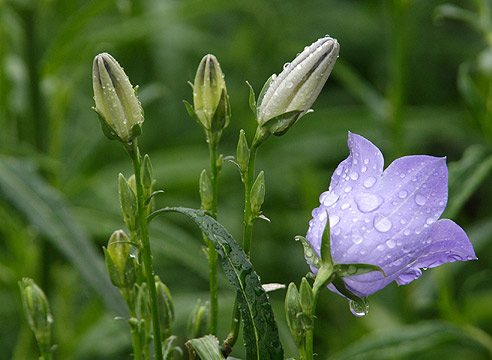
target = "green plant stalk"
x: 247, y: 236
x: 319, y: 283
x: 137, y: 346
x: 146, y: 253
x: 212, y: 253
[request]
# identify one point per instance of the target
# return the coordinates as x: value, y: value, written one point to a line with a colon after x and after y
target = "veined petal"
x: 388, y: 219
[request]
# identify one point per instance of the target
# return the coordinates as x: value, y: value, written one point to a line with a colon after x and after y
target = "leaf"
x: 44, y: 208
x: 404, y: 341
x: 356, y: 269
x: 207, y: 348
x: 260, y: 331
x: 252, y: 101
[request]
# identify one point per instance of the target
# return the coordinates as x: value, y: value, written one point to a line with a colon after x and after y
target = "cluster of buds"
x: 298, y: 309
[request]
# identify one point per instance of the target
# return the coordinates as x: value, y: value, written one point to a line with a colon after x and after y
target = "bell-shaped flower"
x: 389, y: 219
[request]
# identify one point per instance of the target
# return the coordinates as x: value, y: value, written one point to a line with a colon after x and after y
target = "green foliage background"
x: 414, y: 77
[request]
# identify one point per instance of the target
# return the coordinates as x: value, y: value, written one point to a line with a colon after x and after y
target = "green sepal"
x: 166, y: 308
x: 222, y: 114
x: 128, y: 202
x: 257, y: 196
x: 192, y: 113
x: 206, y: 348
x: 106, y: 129
x: 309, y: 252
x: 326, y: 242
x: 136, y: 130
x: 252, y: 101
x: 279, y: 125
x: 264, y: 89
x: 242, y: 153
x: 356, y: 269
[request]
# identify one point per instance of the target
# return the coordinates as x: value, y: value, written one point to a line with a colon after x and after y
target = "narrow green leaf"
x: 326, y: 242
x: 279, y: 125
x: 207, y: 348
x: 260, y: 331
x: 44, y: 208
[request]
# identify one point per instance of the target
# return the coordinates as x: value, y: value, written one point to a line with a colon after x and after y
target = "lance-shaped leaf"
x: 260, y: 331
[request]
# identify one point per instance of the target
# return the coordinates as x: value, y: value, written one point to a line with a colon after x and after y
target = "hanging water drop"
x: 359, y: 309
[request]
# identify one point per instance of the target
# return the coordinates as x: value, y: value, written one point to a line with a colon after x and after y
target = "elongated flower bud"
x: 37, y: 312
x: 294, y: 314
x: 210, y: 99
x: 120, y: 111
x: 258, y: 194
x: 197, y: 325
x: 242, y: 152
x: 128, y: 202
x: 291, y: 94
x: 166, y: 308
x: 206, y: 191
x: 121, y: 265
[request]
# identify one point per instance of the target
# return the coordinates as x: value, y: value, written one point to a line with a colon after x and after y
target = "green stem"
x: 212, y: 253
x: 137, y: 346
x: 146, y: 253
x: 247, y: 236
x: 323, y: 278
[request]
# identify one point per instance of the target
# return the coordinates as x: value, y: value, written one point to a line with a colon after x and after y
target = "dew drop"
x: 348, y: 189
x: 366, y: 161
x: 359, y: 309
x: 286, y: 65
x: 345, y: 206
x: 420, y: 199
x: 289, y: 84
x: 334, y: 219
x: 382, y: 224
x: 330, y: 199
x: 369, y: 182
x: 406, y: 232
x: 367, y: 202
x: 380, y: 247
x: 402, y: 194
x: 354, y: 176
x: 356, y: 236
x: 429, y: 221
x: 363, y: 169
x: 390, y: 243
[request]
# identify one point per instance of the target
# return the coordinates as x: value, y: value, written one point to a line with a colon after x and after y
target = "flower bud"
x: 206, y: 191
x: 294, y: 314
x: 37, y: 312
x: 147, y: 176
x: 258, y: 194
x: 242, y: 153
x: 210, y: 99
x: 290, y: 95
x: 144, y: 312
x: 166, y: 308
x: 120, y: 111
x: 197, y: 325
x: 307, y: 299
x: 128, y: 202
x: 119, y: 261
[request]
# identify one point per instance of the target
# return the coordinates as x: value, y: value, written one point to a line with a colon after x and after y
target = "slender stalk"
x: 137, y: 346
x: 212, y: 253
x: 247, y: 236
x: 323, y: 278
x: 146, y: 253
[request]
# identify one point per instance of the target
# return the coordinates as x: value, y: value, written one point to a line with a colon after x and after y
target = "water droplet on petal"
x: 356, y: 236
x: 348, y: 189
x: 354, y: 176
x: 367, y: 202
x: 420, y: 199
x: 382, y: 224
x: 390, y: 243
x: 402, y: 194
x: 345, y: 206
x: 289, y: 84
x: 330, y: 199
x: 369, y: 182
x: 429, y: 221
x: 286, y: 65
x: 334, y: 219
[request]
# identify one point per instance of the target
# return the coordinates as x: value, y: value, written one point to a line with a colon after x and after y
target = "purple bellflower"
x: 388, y: 219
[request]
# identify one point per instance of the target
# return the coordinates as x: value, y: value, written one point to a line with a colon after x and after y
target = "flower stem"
x: 247, y: 235
x: 137, y: 346
x: 146, y: 253
x: 323, y: 278
x: 212, y: 253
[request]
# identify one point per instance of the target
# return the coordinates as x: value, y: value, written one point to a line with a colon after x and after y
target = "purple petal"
x: 388, y: 219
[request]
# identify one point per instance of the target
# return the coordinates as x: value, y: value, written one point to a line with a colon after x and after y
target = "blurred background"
x: 414, y: 77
